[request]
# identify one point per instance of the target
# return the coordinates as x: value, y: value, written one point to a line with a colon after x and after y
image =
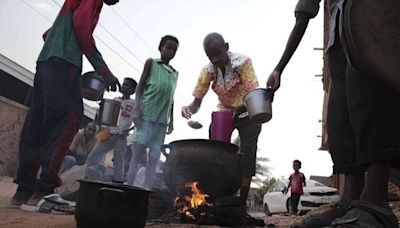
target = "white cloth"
x: 125, y: 118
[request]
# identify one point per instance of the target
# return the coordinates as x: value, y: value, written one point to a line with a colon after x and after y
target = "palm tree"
x: 262, y: 170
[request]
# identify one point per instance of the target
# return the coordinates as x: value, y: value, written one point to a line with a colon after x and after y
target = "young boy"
x: 117, y: 139
x: 296, y: 182
x: 154, y: 109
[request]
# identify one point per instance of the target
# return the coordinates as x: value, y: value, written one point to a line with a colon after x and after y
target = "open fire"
x: 193, y: 207
x: 185, y: 204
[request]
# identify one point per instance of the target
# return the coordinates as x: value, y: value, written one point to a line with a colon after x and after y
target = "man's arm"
x: 293, y: 42
x: 201, y: 89
x: 85, y: 19
x: 137, y: 113
x: 171, y: 121
x: 192, y: 108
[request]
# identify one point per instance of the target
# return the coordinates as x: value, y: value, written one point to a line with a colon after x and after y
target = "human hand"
x: 111, y: 82
x: 188, y: 111
x: 285, y: 190
x: 170, y: 127
x: 274, y: 80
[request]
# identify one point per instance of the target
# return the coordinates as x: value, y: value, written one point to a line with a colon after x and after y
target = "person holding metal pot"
x: 232, y: 76
x: 57, y: 109
x: 363, y: 128
x: 114, y: 137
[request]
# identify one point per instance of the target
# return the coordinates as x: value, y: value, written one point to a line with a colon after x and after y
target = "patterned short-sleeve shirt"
x: 239, y: 78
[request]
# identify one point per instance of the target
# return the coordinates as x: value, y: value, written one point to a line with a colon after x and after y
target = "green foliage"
x: 267, y: 183
x: 262, y: 177
x: 262, y: 171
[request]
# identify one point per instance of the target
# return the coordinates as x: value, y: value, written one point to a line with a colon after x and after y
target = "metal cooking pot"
x: 258, y: 103
x: 102, y: 204
x: 93, y: 86
x: 109, y: 112
x: 214, y: 164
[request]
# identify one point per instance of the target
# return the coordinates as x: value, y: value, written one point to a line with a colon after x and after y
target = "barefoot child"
x: 154, y: 109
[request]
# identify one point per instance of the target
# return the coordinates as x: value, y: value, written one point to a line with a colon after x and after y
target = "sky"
x: 129, y: 33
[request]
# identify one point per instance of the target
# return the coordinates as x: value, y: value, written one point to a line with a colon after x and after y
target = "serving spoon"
x: 194, y: 124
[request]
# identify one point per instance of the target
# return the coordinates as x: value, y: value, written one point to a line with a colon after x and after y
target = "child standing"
x: 296, y: 182
x: 154, y: 109
x: 117, y: 138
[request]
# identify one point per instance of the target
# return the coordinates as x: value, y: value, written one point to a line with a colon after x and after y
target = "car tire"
x: 266, y: 210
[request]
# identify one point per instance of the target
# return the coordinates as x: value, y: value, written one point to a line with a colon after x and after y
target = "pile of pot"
x: 93, y: 87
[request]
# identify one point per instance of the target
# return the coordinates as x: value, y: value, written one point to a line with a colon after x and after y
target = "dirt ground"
x: 16, y: 218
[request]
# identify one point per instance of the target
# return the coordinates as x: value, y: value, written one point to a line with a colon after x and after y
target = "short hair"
x: 298, y: 161
x: 164, y: 40
x: 92, y: 123
x: 131, y: 80
x: 211, y: 37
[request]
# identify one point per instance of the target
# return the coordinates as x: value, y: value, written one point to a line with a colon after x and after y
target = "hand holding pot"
x: 274, y: 80
x: 111, y: 82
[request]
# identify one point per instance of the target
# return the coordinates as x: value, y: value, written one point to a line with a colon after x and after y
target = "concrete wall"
x: 12, y: 116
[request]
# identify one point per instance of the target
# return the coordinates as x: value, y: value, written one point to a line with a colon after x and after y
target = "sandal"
x: 54, y: 208
x: 368, y: 215
x: 51, y: 204
x: 323, y: 219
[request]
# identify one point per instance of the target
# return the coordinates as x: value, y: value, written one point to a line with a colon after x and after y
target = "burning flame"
x: 198, y: 198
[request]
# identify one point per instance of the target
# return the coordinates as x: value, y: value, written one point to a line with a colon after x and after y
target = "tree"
x: 262, y: 170
x: 267, y: 183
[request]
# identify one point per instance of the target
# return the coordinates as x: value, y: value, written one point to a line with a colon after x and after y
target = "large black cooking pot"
x: 102, y: 204
x: 214, y: 164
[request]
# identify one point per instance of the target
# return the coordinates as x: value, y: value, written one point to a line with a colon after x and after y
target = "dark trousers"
x: 51, y: 123
x: 248, y: 133
x: 294, y: 201
x: 363, y: 117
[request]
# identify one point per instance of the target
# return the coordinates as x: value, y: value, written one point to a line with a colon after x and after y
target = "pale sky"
x: 129, y: 33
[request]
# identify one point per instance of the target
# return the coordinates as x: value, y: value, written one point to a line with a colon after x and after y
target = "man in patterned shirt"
x: 231, y: 76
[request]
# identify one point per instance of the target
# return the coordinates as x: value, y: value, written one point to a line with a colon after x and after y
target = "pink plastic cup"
x: 221, y: 126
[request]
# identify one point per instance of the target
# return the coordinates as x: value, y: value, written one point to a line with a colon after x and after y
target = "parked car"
x: 315, y: 194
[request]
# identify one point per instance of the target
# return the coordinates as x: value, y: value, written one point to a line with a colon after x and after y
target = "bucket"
x: 221, y: 126
x: 93, y: 86
x: 258, y: 105
x: 109, y: 112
